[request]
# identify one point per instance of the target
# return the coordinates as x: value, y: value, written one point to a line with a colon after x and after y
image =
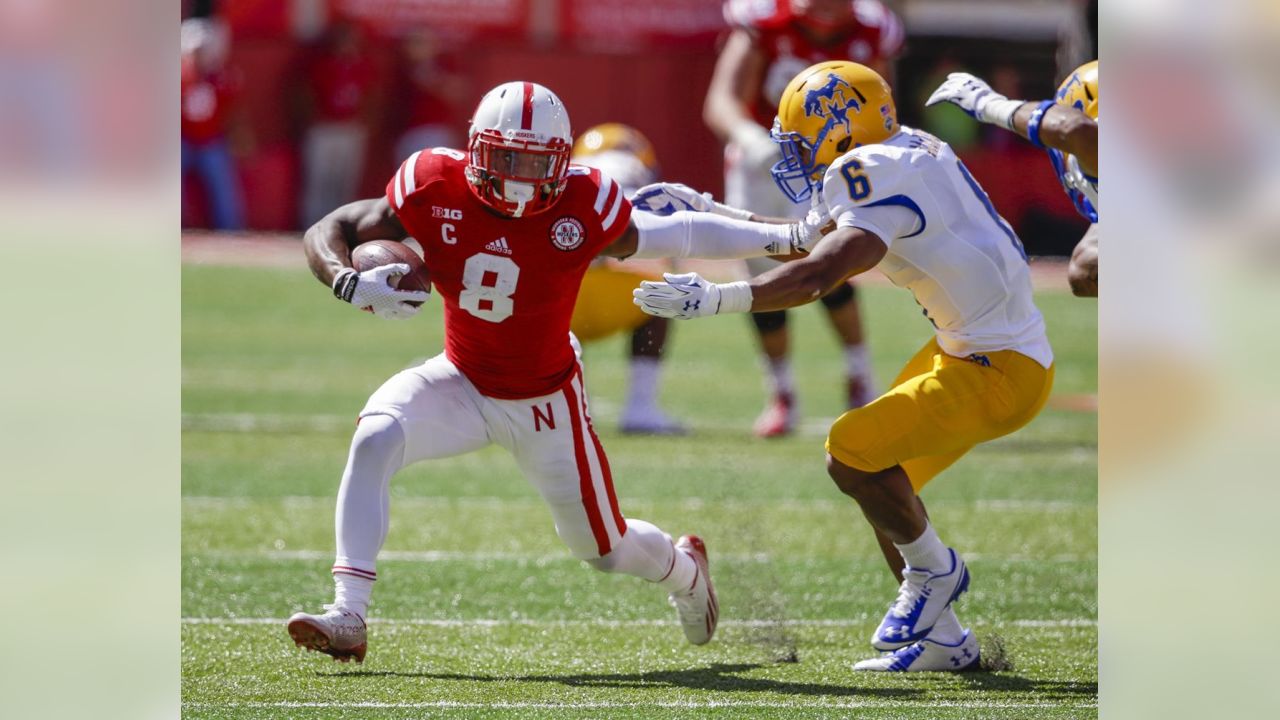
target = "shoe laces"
x: 913, y: 582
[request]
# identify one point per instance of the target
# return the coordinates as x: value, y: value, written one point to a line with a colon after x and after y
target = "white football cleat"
x: 928, y: 656
x: 922, y: 597
x: 697, y: 607
x: 340, y: 633
x: 649, y: 421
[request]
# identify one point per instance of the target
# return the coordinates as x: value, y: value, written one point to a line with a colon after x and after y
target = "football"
x: 370, y: 255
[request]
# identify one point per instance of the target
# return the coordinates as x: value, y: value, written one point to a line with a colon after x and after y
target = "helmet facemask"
x: 799, y: 173
x: 517, y: 176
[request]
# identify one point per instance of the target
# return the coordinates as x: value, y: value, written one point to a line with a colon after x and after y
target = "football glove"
x: 668, y: 198
x: 759, y: 151
x: 688, y: 296
x: 371, y: 291
x: 974, y: 96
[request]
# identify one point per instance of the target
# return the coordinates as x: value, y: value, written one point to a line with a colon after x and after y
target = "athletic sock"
x: 778, y: 373
x: 647, y: 552
x: 642, y: 390
x: 947, y: 630
x: 857, y: 361
x: 351, y: 591
x: 926, y: 552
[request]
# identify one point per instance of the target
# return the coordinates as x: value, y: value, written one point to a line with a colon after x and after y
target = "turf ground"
x: 480, y: 613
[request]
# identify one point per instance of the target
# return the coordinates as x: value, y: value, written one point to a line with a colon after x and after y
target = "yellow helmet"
x: 621, y: 151
x: 1080, y: 90
x: 825, y: 111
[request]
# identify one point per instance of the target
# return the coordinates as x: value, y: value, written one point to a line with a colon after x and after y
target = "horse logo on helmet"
x: 833, y: 101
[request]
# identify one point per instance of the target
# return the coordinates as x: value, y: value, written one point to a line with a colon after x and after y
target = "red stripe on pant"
x: 604, y: 461
x: 585, y: 484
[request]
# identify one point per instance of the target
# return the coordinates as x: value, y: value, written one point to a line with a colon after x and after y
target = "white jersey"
x: 947, y: 244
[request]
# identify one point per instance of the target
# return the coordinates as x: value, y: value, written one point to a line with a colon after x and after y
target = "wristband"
x: 735, y: 297
x: 344, y: 284
x: 1033, y: 126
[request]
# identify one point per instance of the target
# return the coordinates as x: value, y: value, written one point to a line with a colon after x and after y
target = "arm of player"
x: 1044, y: 123
x: 844, y: 253
x: 328, y: 245
x: 709, y: 236
x: 738, y: 73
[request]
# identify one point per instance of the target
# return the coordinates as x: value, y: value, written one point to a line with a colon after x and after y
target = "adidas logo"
x: 499, y: 246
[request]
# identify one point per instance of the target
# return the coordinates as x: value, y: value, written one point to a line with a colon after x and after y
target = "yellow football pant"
x: 604, y: 304
x: 940, y: 406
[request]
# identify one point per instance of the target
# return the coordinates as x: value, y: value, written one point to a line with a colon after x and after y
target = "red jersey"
x: 206, y: 100
x: 874, y: 34
x: 508, y: 284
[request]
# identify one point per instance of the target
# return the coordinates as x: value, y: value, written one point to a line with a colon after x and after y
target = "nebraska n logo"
x: 833, y: 101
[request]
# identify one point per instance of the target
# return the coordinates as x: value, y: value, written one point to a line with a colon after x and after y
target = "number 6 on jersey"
x: 486, y: 301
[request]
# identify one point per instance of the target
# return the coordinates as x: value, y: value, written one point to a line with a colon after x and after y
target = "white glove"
x: 667, y: 198
x: 809, y: 230
x: 974, y: 96
x: 371, y: 291
x: 759, y: 151
x: 688, y: 296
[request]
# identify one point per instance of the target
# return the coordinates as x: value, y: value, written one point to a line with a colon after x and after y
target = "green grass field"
x: 479, y: 611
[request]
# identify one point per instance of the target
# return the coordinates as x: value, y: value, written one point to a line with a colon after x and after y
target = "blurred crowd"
x: 278, y: 153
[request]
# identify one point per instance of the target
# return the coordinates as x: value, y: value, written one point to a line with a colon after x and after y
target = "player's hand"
x: 973, y: 95
x: 683, y: 297
x: 371, y: 291
x: 668, y: 198
x: 689, y: 295
x: 806, y: 233
x: 759, y: 151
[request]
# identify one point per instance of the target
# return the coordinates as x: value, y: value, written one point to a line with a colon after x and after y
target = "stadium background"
x: 646, y: 64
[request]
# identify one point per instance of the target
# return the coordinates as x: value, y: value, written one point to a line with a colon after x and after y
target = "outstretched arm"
x: 846, y: 252
x: 708, y: 236
x: 1043, y: 123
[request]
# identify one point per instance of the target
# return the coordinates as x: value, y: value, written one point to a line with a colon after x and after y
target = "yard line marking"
x: 673, y: 704
x: 443, y: 556
x: 638, y: 622
x: 685, y: 503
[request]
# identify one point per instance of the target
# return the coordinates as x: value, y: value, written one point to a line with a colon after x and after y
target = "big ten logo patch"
x: 567, y: 234
x: 446, y: 213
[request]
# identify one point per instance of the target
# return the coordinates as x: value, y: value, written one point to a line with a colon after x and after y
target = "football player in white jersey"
x: 902, y: 202
x: 1067, y: 128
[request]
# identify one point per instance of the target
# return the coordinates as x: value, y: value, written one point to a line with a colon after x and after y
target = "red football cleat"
x: 778, y: 418
x: 697, y: 607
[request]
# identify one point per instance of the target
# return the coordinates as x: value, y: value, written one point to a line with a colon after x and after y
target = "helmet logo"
x: 567, y: 233
x: 833, y: 101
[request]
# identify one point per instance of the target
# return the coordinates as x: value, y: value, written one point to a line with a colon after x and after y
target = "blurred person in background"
x: 431, y: 89
x: 210, y: 123
x: 339, y: 87
x: 769, y: 42
x: 604, y: 305
x: 1065, y: 126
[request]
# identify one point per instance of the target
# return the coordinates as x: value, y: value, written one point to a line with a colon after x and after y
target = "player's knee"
x: 850, y: 480
x: 604, y: 563
x: 838, y: 298
x: 378, y: 436
x: 771, y: 321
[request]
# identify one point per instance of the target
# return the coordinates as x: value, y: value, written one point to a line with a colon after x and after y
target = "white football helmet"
x: 518, y: 148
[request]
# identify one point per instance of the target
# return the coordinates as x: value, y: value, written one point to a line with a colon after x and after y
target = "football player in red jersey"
x: 508, y: 229
x: 769, y: 43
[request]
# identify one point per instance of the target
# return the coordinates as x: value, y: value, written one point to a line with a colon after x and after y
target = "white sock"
x: 352, y: 592
x: 642, y: 390
x: 778, y: 373
x: 647, y: 552
x: 362, y: 517
x: 947, y: 630
x: 926, y: 552
x: 857, y: 361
